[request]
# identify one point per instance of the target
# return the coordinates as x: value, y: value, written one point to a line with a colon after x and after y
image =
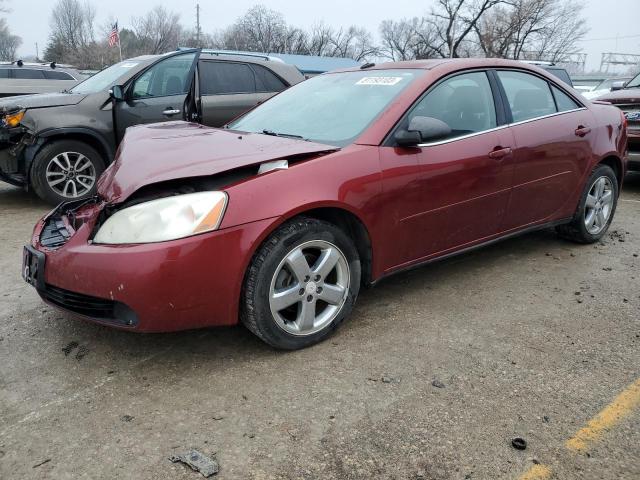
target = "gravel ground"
x: 530, y: 337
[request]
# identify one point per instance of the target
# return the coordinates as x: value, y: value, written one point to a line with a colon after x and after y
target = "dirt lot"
x: 531, y: 337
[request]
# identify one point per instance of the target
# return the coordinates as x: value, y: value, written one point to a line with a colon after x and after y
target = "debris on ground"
x: 217, y: 417
x: 127, y: 418
x: 69, y: 348
x: 437, y: 383
x: 198, y: 462
x: 519, y: 443
x: 47, y: 460
x: 82, y: 352
x: 389, y: 380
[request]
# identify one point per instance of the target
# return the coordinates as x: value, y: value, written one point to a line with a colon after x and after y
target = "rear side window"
x: 28, y: 74
x: 563, y: 101
x: 463, y: 102
x: 529, y: 96
x: 53, y: 75
x: 220, y: 78
x: 266, y: 80
x: 4, y: 73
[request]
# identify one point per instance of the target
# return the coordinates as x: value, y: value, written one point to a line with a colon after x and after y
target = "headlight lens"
x: 13, y: 119
x: 164, y: 219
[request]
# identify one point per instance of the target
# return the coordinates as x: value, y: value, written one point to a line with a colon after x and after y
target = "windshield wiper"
x: 285, y: 135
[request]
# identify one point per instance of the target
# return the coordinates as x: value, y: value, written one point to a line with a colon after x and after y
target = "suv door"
x: 552, y: 148
x: 453, y: 192
x: 158, y: 93
x: 227, y: 89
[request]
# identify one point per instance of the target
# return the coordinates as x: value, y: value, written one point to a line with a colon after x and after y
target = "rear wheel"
x: 302, y: 283
x: 596, y: 208
x: 66, y: 170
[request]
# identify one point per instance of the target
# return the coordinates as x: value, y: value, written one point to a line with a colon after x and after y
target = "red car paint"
x: 416, y: 204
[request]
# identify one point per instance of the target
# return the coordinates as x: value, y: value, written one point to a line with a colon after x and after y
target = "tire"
x: 66, y: 166
x: 277, y: 270
x: 577, y: 230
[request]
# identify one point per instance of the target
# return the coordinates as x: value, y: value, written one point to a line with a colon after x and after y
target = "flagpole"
x: 119, y: 46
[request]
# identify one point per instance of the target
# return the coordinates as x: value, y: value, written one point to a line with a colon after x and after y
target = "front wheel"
x: 66, y: 170
x: 596, y: 208
x: 302, y: 283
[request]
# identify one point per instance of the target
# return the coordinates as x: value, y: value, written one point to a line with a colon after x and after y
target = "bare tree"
x: 455, y: 20
x: 158, y: 31
x: 8, y: 43
x: 534, y: 29
x: 409, y: 39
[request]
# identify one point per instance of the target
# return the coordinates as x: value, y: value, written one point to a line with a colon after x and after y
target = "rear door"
x: 551, y: 148
x: 158, y: 93
x: 227, y: 89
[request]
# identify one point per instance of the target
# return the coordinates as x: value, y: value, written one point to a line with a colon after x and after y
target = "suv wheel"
x: 66, y: 170
x: 302, y: 283
x: 596, y: 208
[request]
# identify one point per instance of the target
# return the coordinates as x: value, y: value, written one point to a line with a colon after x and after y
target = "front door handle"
x: 499, y: 152
x: 581, y: 131
x: 170, y: 111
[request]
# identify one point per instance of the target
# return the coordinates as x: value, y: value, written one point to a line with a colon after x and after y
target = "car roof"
x: 452, y: 63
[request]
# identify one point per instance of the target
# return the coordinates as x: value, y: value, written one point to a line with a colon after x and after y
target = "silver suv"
x: 20, y: 78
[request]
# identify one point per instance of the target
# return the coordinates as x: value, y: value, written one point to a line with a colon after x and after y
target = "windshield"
x: 105, y: 79
x: 333, y: 108
x: 633, y: 83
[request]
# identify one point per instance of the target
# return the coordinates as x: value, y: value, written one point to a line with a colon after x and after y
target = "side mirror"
x: 619, y: 85
x: 421, y: 130
x: 117, y: 93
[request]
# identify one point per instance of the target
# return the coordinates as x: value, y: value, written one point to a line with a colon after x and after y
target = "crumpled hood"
x: 159, y: 152
x: 40, y: 100
x: 631, y: 95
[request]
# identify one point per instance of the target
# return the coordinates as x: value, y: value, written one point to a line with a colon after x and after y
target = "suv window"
x: 4, y: 73
x: 529, y: 96
x: 563, y: 101
x: 463, y: 102
x: 219, y: 78
x: 560, y: 73
x: 28, y: 74
x: 53, y: 75
x: 267, y: 81
x: 165, y: 78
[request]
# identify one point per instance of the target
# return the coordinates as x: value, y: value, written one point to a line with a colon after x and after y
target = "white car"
x: 606, y: 86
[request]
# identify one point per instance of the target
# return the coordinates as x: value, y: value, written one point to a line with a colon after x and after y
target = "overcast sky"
x: 605, y: 18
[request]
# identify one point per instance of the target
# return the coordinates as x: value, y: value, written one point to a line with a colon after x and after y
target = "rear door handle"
x: 170, y: 111
x: 581, y: 131
x: 499, y: 152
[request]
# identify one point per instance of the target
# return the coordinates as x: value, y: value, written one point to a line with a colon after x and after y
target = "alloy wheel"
x: 309, y: 287
x: 599, y: 205
x: 70, y: 174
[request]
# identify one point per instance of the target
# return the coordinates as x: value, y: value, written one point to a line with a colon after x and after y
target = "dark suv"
x: 59, y: 144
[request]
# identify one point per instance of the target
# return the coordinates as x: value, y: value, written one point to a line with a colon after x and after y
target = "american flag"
x: 114, y: 38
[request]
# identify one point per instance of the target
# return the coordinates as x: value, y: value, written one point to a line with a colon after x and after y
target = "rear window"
x: 54, y: 75
x: 224, y: 78
x: 28, y: 74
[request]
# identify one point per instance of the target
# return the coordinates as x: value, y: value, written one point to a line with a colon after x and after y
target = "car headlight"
x: 12, y: 120
x: 164, y: 219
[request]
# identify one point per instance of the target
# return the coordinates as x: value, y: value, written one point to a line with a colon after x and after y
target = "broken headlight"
x: 164, y: 219
x: 12, y: 120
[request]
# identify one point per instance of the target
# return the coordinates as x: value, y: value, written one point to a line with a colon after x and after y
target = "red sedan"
x: 279, y: 218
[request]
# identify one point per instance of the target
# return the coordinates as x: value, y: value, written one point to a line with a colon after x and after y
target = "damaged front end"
x: 15, y: 139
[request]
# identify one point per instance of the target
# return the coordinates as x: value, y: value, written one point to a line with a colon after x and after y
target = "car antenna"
x: 367, y: 65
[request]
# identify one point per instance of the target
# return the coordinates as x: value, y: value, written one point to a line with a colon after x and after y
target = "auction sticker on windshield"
x: 379, y: 81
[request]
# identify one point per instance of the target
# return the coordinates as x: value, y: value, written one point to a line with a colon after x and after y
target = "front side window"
x: 333, y: 108
x: 28, y: 74
x: 224, y: 78
x: 529, y: 96
x: 463, y: 102
x: 165, y: 78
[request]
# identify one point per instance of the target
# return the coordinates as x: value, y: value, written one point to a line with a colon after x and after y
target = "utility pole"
x: 198, y: 25
x: 37, y: 53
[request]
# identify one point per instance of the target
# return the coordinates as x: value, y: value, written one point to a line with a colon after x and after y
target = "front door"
x: 453, y: 192
x: 158, y: 94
